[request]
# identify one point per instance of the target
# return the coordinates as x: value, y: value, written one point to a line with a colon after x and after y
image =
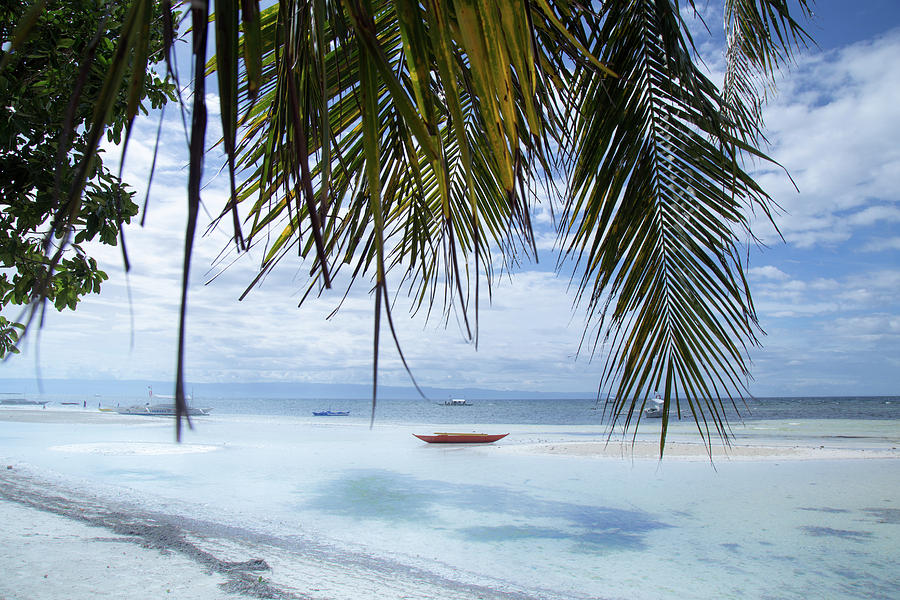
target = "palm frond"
x: 761, y: 36
x: 656, y: 206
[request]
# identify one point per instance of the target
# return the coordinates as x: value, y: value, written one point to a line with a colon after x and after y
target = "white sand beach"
x: 100, y: 505
x: 679, y: 450
x: 49, y: 555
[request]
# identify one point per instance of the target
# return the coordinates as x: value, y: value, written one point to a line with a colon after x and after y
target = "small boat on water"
x: 331, y: 413
x: 461, y: 438
x: 161, y: 410
x: 455, y: 402
x: 654, y: 408
x: 19, y: 400
x: 23, y: 402
x: 166, y: 409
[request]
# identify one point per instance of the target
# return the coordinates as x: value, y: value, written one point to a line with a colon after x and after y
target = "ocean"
x: 572, y: 411
x: 340, y: 510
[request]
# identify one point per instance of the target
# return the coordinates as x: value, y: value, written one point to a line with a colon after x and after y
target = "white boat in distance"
x: 18, y: 399
x: 455, y: 402
x: 654, y: 409
x: 165, y: 409
x: 23, y: 402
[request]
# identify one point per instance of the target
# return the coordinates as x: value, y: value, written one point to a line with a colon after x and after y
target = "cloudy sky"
x: 827, y: 294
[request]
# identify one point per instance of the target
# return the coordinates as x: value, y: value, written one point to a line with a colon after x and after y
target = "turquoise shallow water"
x: 549, y: 526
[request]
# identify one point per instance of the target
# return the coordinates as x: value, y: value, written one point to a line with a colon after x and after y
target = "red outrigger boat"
x: 461, y: 438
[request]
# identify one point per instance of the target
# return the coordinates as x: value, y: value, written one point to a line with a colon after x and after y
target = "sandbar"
x: 62, y: 415
x: 679, y: 450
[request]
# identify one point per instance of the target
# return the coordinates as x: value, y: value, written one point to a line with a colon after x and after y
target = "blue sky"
x: 826, y: 295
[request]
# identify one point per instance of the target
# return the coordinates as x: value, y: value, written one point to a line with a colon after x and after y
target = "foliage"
x: 40, y: 158
x: 413, y: 139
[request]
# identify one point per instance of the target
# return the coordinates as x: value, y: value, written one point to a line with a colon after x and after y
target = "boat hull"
x: 161, y: 410
x: 461, y: 438
x: 331, y: 413
x: 31, y: 403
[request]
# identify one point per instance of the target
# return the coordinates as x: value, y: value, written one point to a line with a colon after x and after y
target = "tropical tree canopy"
x: 407, y: 144
x: 40, y: 157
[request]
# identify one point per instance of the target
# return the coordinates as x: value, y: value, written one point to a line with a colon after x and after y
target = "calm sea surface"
x: 550, y: 412
x: 520, y: 411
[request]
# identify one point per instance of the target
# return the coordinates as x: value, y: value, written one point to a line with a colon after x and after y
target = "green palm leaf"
x: 656, y: 208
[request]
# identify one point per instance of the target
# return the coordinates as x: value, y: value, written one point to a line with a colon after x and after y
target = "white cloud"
x: 834, y: 126
x: 828, y: 335
x: 865, y: 291
x: 789, y: 308
x: 212, y: 104
x: 869, y: 328
x: 769, y: 272
x: 876, y: 214
x: 882, y: 244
